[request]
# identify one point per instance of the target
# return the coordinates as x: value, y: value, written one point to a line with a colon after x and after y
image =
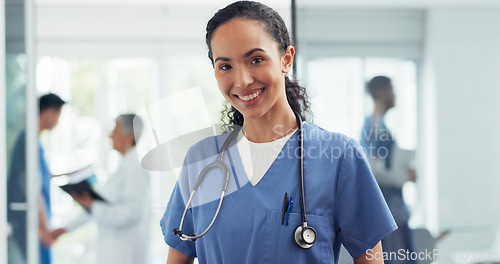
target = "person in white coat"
x: 124, y: 219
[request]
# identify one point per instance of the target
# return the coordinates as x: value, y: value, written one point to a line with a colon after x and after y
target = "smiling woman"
x: 252, y: 54
x: 263, y: 49
x: 249, y: 69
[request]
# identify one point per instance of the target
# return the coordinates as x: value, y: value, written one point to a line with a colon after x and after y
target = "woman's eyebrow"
x: 250, y: 52
x: 247, y: 54
x: 222, y: 59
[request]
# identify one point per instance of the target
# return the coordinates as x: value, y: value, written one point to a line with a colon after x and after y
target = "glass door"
x: 3, y: 152
x: 17, y: 203
x: 20, y: 137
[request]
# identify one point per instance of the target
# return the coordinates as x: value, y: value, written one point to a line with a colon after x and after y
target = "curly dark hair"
x: 276, y: 28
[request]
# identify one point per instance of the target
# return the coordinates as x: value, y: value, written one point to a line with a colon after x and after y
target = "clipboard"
x: 79, y: 181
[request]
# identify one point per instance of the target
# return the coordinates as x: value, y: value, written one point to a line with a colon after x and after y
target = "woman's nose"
x: 243, y: 77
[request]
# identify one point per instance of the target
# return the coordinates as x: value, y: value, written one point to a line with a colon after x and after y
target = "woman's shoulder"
x: 331, y: 145
x: 206, y: 147
x: 315, y: 133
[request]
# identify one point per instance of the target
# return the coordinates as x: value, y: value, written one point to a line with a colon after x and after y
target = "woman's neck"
x: 271, y: 126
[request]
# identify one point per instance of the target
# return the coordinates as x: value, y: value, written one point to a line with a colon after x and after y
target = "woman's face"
x: 249, y: 67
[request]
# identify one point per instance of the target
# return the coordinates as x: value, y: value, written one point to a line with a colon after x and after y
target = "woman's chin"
x: 253, y: 114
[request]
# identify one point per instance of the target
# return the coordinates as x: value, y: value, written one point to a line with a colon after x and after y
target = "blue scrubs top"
x: 343, y: 203
x: 45, y: 252
x: 376, y: 139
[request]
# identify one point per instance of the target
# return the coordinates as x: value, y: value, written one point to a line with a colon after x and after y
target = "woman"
x: 123, y: 220
x: 251, y: 52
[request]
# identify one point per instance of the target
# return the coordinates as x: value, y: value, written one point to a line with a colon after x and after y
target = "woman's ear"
x: 287, y: 59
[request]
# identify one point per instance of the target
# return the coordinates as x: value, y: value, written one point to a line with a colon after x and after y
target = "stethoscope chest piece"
x: 305, y: 236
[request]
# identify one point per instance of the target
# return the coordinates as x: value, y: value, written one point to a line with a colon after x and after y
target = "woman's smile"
x: 250, y: 98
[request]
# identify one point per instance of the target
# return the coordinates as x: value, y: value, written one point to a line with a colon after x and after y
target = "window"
x: 340, y: 102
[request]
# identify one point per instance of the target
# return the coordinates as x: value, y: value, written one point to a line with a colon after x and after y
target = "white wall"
x: 115, y: 31
x: 328, y: 32
x: 460, y: 122
x: 125, y: 30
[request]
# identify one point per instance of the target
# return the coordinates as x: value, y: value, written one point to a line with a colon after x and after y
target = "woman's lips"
x: 250, y: 98
x: 249, y: 95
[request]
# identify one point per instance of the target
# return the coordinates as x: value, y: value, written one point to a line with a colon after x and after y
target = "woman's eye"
x: 256, y: 60
x: 225, y: 67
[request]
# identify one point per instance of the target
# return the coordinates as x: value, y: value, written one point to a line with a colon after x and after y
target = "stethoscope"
x: 304, y: 235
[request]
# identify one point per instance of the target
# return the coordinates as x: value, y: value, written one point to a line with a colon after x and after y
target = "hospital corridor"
x: 315, y: 131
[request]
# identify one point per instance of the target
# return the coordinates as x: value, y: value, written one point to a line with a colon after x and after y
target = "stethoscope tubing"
x: 218, y: 163
x: 301, y: 171
x: 193, y: 238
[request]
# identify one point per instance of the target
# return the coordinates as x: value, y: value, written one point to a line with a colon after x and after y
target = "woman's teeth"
x: 250, y: 96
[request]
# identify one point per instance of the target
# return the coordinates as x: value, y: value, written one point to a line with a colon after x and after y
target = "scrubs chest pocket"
x: 281, y: 243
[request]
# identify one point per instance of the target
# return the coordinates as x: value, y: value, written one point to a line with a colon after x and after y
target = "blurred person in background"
x: 50, y: 106
x: 380, y: 147
x: 123, y: 218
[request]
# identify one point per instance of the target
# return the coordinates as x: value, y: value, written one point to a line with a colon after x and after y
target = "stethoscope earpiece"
x: 305, y: 236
